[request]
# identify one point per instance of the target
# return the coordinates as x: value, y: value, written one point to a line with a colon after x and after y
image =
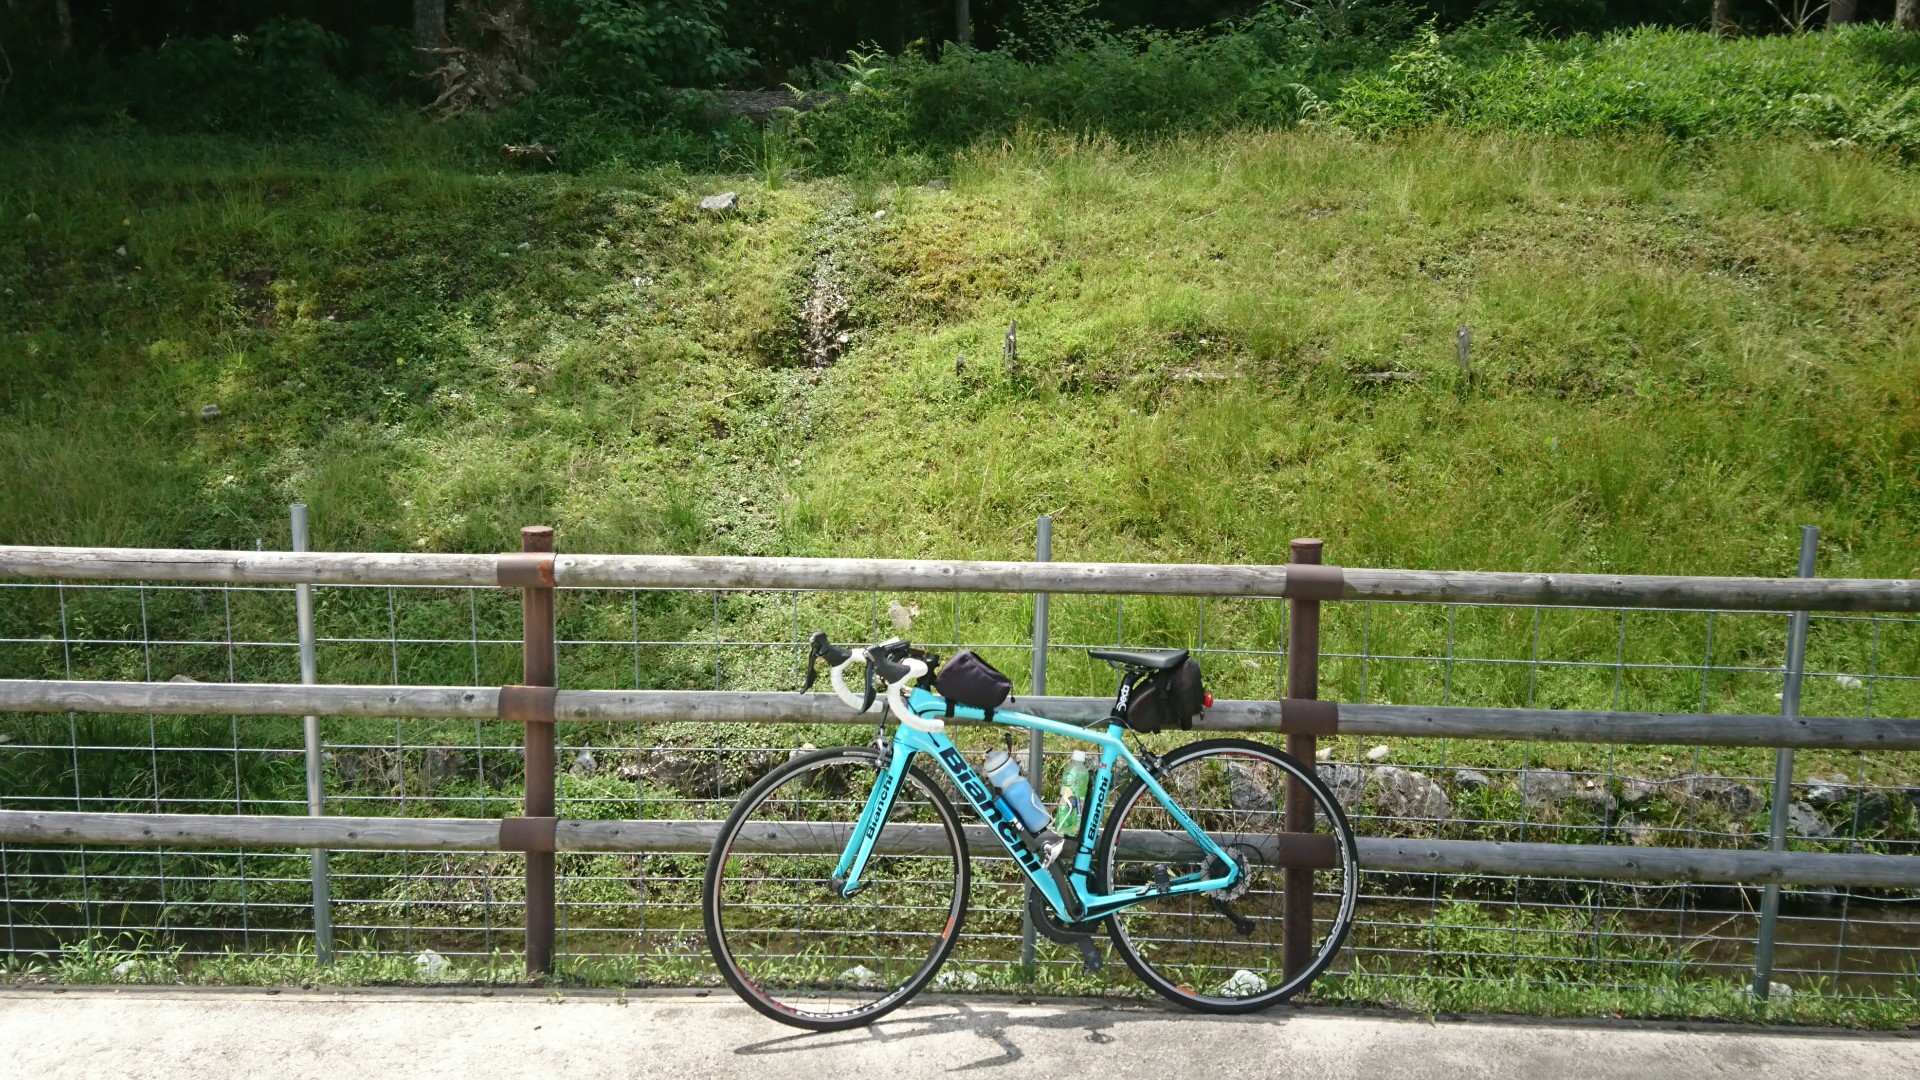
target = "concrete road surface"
x: 47, y: 1033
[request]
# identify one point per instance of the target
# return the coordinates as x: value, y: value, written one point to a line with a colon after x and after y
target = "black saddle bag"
x: 1167, y: 700
x: 968, y: 680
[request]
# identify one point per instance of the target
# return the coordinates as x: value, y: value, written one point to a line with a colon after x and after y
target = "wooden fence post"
x: 539, y: 668
x: 1303, y: 682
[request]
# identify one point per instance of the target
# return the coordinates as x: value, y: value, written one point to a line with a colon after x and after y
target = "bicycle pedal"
x: 1089, y: 956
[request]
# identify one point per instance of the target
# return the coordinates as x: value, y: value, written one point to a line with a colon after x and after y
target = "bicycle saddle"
x: 1151, y: 659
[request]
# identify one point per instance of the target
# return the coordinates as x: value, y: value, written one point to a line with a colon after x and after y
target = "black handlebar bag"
x: 968, y: 680
x: 1167, y: 700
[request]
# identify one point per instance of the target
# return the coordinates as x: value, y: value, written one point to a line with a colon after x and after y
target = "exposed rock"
x: 183, y: 678
x: 1471, y: 780
x: 1247, y: 793
x: 1541, y: 786
x: 1729, y: 795
x: 939, y: 183
x: 431, y: 964
x: 901, y: 615
x: 1804, y: 820
x: 799, y: 751
x: 1822, y: 793
x: 1378, y: 753
x: 722, y: 203
x: 1403, y: 793
x: 584, y: 765
x: 1639, y: 833
x: 1324, y: 753
x: 1634, y: 791
x: 209, y: 412
x: 1346, y: 781
x: 440, y: 763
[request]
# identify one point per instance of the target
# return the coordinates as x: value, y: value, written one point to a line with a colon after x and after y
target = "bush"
x: 283, y: 76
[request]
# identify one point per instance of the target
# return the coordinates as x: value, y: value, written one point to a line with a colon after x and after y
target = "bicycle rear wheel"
x: 1184, y: 946
x: 786, y: 941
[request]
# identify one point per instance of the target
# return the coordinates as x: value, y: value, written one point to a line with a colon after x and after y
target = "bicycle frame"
x: 1078, y: 904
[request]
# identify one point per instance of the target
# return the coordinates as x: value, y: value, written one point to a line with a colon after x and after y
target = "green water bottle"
x: 1073, y: 797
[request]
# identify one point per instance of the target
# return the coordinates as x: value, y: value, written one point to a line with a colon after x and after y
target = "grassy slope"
x: 1682, y: 354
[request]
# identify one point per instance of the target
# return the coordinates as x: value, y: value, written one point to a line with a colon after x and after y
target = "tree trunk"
x: 63, y: 13
x: 1723, y: 18
x: 962, y: 23
x: 1906, y: 15
x: 429, y: 31
x: 1841, y: 11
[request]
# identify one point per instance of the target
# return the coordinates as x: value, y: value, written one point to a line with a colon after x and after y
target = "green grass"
x: 1681, y: 353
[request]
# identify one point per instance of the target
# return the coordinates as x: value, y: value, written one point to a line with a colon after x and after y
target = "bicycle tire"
x: 1179, y: 945
x: 792, y: 974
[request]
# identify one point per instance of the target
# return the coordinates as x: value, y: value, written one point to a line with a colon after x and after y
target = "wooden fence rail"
x: 1414, y: 856
x: 748, y: 707
x: 916, y: 575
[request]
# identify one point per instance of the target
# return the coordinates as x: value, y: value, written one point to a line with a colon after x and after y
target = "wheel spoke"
x: 1185, y: 946
x: 787, y: 941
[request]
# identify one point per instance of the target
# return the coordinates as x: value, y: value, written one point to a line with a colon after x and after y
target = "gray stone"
x: 1823, y: 793
x: 584, y: 765
x: 1346, y: 781
x: 1638, y: 832
x: 209, y: 412
x: 1541, y: 786
x: 1634, y: 791
x: 1247, y: 793
x: 722, y: 203
x: 938, y: 184
x: 1804, y: 820
x: 1403, y: 793
x: 439, y: 764
x: 1729, y: 795
x: 183, y: 678
x: 1471, y: 780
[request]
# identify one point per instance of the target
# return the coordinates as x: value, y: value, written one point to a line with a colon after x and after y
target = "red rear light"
x: 1206, y: 699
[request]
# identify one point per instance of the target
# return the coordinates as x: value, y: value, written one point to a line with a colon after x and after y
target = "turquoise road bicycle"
x: 838, y: 885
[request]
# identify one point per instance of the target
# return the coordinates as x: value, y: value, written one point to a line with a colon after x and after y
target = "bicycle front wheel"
x: 1224, y: 952
x: 786, y: 940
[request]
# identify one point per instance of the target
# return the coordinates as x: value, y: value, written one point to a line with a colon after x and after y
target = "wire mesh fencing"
x: 639, y: 910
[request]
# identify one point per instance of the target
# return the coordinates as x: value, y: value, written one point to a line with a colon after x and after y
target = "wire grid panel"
x: 642, y: 908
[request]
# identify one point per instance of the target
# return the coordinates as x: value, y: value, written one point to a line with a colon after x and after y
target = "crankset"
x: 1054, y: 930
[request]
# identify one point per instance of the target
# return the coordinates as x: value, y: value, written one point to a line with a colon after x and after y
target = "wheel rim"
x: 787, y: 939
x: 1181, y: 943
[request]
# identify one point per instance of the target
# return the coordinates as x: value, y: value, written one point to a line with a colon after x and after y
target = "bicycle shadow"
x: 953, y: 1016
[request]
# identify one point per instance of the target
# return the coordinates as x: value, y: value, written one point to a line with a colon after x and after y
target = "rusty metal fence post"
x: 1303, y: 683
x: 539, y: 667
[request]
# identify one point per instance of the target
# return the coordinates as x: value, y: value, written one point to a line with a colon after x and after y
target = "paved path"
x: 469, y: 1034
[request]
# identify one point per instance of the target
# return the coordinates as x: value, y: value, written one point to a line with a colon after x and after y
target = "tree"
x: 1906, y: 15
x: 1723, y: 18
x: 429, y: 30
x: 63, y: 14
x: 962, y: 22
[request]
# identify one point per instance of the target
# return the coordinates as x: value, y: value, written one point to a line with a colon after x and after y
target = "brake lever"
x: 867, y: 701
x: 819, y: 648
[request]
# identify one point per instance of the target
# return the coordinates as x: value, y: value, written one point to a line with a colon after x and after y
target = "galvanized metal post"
x: 1303, y: 681
x: 539, y: 667
x: 1036, y: 762
x: 316, y: 792
x: 1783, y: 774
